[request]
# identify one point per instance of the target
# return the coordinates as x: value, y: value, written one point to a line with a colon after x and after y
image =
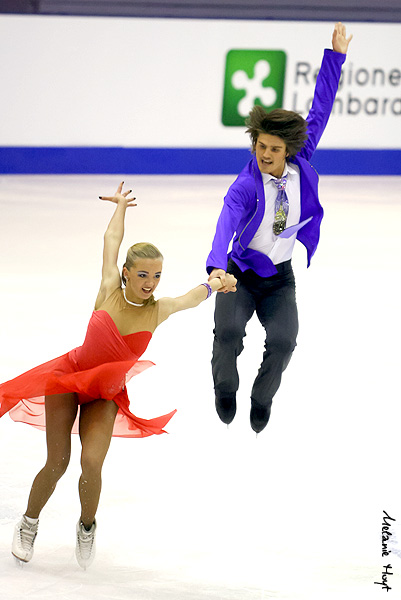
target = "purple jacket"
x: 244, y: 204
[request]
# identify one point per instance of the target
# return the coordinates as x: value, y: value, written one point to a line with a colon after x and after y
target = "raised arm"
x: 112, y: 241
x: 168, y: 306
x: 325, y: 89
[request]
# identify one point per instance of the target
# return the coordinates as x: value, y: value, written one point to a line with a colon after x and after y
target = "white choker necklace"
x: 129, y: 301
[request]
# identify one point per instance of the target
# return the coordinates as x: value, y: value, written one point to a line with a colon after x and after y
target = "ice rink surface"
x: 208, y: 512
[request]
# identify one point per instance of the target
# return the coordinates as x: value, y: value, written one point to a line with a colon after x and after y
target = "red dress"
x: 100, y: 368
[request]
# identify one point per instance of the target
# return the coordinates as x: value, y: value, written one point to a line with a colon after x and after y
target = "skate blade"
x: 19, y: 562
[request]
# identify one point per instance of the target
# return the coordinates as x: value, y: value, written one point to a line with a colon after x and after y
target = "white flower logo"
x: 254, y: 89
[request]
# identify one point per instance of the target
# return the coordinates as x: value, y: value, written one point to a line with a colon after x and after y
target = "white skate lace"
x: 85, y: 541
x: 27, y: 535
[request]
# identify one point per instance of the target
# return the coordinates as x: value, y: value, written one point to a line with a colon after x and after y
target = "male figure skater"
x: 273, y: 202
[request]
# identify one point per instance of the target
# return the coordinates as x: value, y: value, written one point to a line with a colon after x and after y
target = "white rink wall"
x: 159, y: 83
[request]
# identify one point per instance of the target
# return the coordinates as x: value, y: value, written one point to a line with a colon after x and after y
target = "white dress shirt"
x: 276, y: 248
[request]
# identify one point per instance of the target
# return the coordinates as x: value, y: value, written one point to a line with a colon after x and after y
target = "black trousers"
x: 273, y: 299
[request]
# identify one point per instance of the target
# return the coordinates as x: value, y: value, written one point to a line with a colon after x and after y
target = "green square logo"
x: 252, y: 77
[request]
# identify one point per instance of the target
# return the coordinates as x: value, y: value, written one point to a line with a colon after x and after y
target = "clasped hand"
x: 227, y: 279
x: 230, y: 284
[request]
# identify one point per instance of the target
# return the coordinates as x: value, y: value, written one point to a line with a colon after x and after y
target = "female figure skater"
x: 84, y: 390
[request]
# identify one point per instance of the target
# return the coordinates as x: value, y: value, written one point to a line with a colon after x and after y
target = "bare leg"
x: 95, y: 429
x: 61, y: 410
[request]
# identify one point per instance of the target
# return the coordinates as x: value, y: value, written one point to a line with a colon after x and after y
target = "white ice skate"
x: 85, y: 549
x: 24, y: 538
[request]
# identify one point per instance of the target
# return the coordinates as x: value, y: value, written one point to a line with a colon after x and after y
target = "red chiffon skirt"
x: 100, y: 368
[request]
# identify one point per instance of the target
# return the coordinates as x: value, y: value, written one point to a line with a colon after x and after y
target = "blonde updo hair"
x: 136, y: 252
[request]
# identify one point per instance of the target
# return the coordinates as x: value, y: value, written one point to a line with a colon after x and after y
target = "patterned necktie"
x: 281, y: 206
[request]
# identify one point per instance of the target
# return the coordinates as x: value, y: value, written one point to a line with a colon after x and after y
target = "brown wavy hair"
x: 285, y: 124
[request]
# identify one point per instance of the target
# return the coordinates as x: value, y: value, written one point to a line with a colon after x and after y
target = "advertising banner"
x: 178, y: 83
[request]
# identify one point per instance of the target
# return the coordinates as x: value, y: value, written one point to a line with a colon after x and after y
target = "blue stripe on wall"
x: 180, y: 161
